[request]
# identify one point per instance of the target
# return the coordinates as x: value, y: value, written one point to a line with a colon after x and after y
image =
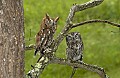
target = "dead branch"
x: 93, y: 68
x: 95, y: 21
x: 80, y: 7
x: 69, y: 25
x: 73, y: 10
x: 38, y: 68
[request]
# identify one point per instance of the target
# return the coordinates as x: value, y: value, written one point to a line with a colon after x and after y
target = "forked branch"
x: 69, y: 25
x: 80, y: 7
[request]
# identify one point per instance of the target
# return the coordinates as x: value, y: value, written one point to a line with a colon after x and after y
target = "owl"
x: 74, y: 49
x: 44, y: 37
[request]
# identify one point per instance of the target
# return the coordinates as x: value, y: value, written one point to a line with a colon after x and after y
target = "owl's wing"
x: 70, y: 54
x: 81, y: 46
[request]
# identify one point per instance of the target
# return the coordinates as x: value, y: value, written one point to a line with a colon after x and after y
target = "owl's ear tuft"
x: 56, y: 19
x: 47, y: 16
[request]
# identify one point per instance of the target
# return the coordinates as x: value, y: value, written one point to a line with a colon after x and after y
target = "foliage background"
x: 101, y: 41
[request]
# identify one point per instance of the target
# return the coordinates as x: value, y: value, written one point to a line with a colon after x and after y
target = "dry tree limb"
x: 73, y: 10
x: 82, y: 65
x: 95, y: 21
x: 80, y: 7
x: 38, y: 68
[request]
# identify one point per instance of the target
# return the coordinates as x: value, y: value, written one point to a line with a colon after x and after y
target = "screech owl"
x: 74, y: 49
x: 45, y: 35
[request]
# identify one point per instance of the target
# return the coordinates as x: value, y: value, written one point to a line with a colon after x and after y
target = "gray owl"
x: 74, y: 49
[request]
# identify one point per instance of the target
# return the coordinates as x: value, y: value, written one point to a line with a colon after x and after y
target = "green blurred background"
x: 101, y: 41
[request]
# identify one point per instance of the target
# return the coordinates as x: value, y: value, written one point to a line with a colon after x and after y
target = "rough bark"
x: 11, y: 39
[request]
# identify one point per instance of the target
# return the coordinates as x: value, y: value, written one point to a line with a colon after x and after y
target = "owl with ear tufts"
x: 74, y: 49
x: 44, y: 37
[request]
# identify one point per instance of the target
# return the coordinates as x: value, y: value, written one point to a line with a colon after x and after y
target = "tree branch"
x: 38, y: 68
x: 82, y: 65
x: 67, y: 28
x: 95, y: 21
x: 80, y: 7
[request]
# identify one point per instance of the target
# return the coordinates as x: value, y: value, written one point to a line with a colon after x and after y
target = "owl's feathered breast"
x: 74, y: 46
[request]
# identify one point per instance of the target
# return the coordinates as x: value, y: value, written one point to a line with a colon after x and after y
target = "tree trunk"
x: 11, y: 39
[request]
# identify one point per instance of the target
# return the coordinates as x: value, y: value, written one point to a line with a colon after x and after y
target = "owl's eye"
x: 69, y: 38
x: 47, y: 22
x: 77, y: 36
x: 51, y: 22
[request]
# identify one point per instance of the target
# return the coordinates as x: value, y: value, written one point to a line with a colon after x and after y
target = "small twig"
x: 82, y: 65
x: 30, y: 47
x: 96, y: 21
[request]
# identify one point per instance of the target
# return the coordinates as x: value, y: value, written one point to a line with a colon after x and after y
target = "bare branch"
x: 38, y: 68
x: 96, y: 21
x: 81, y: 7
x: 82, y: 65
x: 66, y: 29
